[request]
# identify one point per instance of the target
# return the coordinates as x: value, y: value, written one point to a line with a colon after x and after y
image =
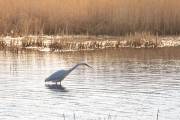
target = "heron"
x: 59, y: 75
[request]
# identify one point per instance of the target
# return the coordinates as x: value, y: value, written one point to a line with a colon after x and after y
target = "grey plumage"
x: 59, y: 75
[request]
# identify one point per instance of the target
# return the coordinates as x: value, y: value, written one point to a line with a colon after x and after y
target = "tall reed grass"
x: 94, y: 17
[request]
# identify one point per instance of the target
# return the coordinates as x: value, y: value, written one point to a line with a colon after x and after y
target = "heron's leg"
x: 60, y: 83
x: 56, y: 83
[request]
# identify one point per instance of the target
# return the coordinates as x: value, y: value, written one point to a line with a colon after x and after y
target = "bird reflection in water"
x: 56, y: 87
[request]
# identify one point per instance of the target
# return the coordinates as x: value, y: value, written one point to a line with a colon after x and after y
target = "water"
x: 126, y: 84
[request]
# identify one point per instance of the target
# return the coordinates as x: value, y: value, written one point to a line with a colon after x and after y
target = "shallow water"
x: 126, y: 84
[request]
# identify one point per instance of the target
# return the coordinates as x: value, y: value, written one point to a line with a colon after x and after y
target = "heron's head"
x: 85, y: 65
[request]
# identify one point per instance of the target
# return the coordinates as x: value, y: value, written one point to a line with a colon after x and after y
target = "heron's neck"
x: 74, y: 67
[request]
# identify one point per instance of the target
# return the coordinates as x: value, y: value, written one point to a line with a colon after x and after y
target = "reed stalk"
x: 89, y: 17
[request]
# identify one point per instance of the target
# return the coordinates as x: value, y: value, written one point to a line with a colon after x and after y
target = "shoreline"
x: 81, y: 42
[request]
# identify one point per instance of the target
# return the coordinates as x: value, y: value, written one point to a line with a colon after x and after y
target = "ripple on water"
x: 125, y: 84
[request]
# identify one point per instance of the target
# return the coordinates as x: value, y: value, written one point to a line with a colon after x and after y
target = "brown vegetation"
x: 2, y: 45
x: 76, y: 43
x: 145, y: 40
x: 94, y: 17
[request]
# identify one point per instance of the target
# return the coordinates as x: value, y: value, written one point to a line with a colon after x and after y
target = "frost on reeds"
x: 2, y: 44
x: 32, y: 42
x: 143, y: 40
x: 77, y: 43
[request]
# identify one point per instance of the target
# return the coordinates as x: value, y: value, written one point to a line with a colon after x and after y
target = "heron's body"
x: 59, y: 75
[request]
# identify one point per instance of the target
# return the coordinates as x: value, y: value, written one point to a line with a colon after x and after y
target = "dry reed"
x: 94, y: 17
x: 77, y: 43
x: 3, y: 45
x: 145, y: 40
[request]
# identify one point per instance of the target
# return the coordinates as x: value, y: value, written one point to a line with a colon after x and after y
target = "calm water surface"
x: 126, y: 84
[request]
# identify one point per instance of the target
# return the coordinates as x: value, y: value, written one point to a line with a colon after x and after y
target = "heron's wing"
x: 57, y: 75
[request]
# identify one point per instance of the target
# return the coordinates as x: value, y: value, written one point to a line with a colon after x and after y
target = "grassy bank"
x: 80, y: 42
x: 92, y: 17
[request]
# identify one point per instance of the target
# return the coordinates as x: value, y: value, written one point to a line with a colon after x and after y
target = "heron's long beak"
x: 88, y: 66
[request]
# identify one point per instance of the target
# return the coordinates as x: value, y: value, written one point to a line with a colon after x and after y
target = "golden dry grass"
x: 94, y: 17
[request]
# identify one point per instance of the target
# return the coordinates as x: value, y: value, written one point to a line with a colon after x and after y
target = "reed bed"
x: 78, y: 43
x: 3, y: 45
x: 145, y: 40
x: 89, y: 17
